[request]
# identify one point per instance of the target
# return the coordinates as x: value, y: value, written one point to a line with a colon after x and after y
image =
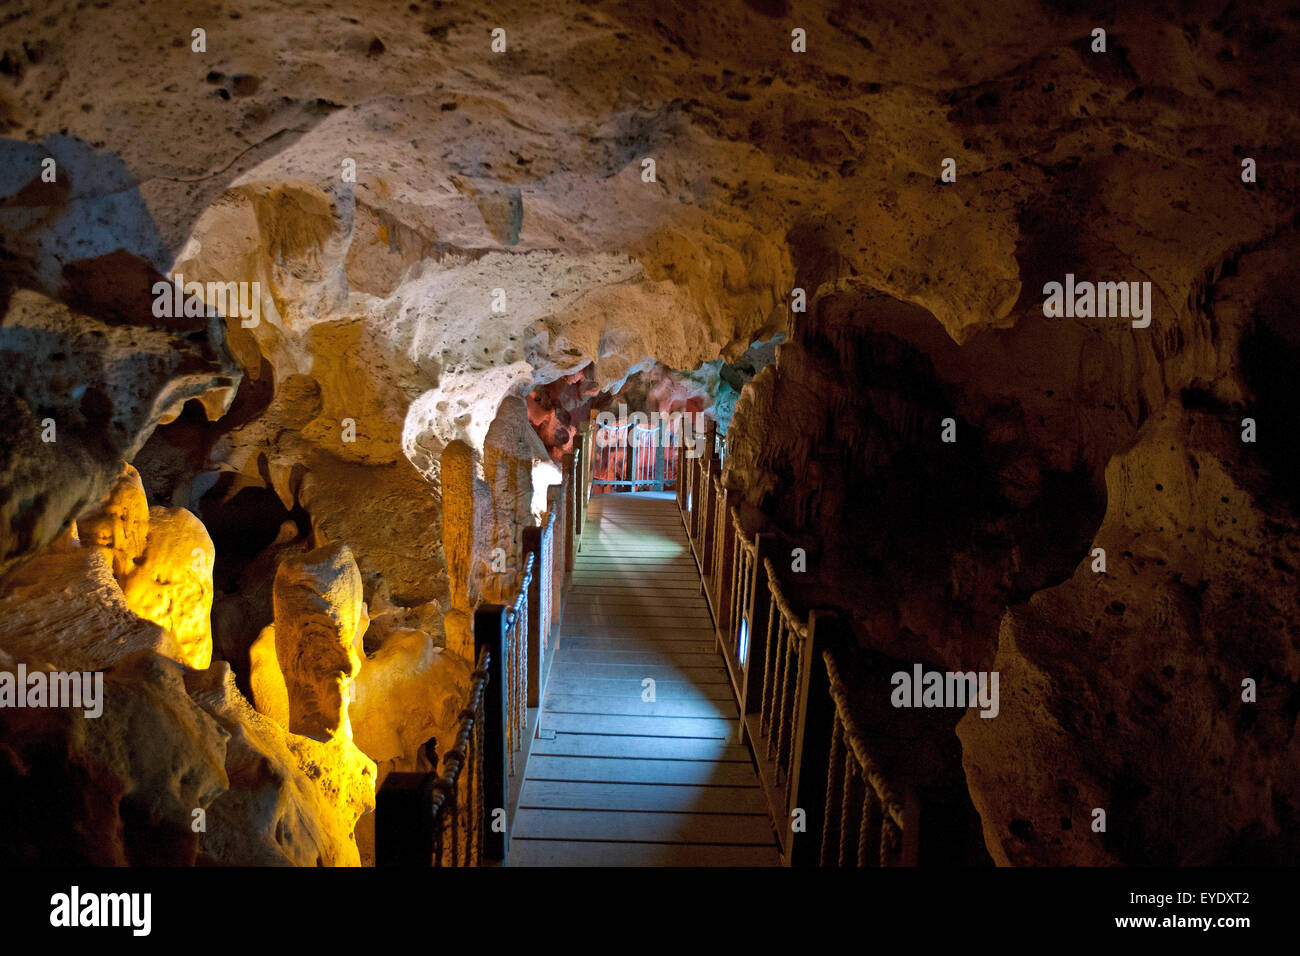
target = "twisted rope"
x: 890, y: 803
x: 834, y: 769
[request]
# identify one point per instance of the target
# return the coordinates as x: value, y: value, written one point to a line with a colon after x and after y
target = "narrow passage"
x: 619, y: 779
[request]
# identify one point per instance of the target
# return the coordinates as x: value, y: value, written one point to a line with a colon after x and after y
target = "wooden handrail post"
x: 659, y: 456
x: 757, y: 610
x: 570, y: 506
x: 710, y: 528
x: 697, y: 473
x: 583, y: 478
x: 911, y: 854
x: 591, y: 463
x: 553, y: 504
x: 579, y: 454
x: 536, y: 632
x: 681, y: 479
x: 490, y: 630
x: 726, y: 565
x: 811, y: 753
x: 683, y: 473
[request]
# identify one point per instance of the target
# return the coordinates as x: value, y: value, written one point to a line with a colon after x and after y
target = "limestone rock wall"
x: 431, y: 232
x: 169, y: 764
x: 1153, y: 685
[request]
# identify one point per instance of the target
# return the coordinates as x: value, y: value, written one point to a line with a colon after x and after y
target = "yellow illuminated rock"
x: 121, y: 524
x: 270, y: 695
x: 319, y: 621
x: 407, y: 692
x: 458, y: 543
x: 172, y: 583
x: 292, y: 800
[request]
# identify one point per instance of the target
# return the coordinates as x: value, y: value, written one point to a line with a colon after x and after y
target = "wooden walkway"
x: 617, y: 779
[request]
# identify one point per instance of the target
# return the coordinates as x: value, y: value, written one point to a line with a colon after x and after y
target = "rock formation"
x: 292, y: 800
x: 444, y: 257
x: 319, y: 622
x: 120, y: 524
x: 171, y: 584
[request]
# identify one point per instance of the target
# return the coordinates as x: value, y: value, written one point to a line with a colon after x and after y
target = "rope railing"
x: 867, y: 823
x: 718, y: 553
x: 782, y: 663
x: 742, y: 584
x: 449, y: 812
x: 436, y: 818
x: 517, y: 665
x: 812, y: 760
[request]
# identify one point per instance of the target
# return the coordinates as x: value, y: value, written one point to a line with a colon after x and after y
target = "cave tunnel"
x: 603, y: 434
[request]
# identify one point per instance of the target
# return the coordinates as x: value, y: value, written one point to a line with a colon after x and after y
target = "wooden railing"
x: 779, y: 668
x: 460, y: 815
x: 866, y: 822
x: 830, y: 803
x: 516, y: 640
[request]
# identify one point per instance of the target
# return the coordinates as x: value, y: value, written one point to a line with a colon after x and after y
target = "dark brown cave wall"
x: 840, y: 445
x: 1119, y: 691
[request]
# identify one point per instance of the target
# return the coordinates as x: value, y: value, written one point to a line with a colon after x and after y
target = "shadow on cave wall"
x: 892, y: 510
x: 1270, y: 356
x: 76, y: 234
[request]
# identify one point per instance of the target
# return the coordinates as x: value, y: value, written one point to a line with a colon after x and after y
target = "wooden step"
x: 621, y: 770
x: 636, y: 707
x: 635, y: 657
x: 676, y: 798
x: 637, y: 727
x: 664, y: 689
x: 688, y: 644
x: 533, y: 852
x: 642, y: 825
x: 659, y: 748
x: 584, y: 670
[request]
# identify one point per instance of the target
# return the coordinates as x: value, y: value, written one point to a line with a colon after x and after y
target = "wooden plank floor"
x: 625, y: 781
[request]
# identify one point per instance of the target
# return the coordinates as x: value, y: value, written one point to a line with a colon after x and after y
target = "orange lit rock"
x: 407, y: 692
x: 119, y: 789
x: 319, y: 622
x: 172, y: 584
x: 66, y: 608
x: 120, y: 524
x: 270, y: 695
x: 1122, y: 690
x: 292, y: 800
x: 458, y: 544
x: 512, y: 495
x: 83, y: 386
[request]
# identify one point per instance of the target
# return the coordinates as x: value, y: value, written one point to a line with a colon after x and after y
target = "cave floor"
x: 629, y: 777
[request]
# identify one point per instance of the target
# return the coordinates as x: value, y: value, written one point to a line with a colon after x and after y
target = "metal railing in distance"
x: 634, y: 457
